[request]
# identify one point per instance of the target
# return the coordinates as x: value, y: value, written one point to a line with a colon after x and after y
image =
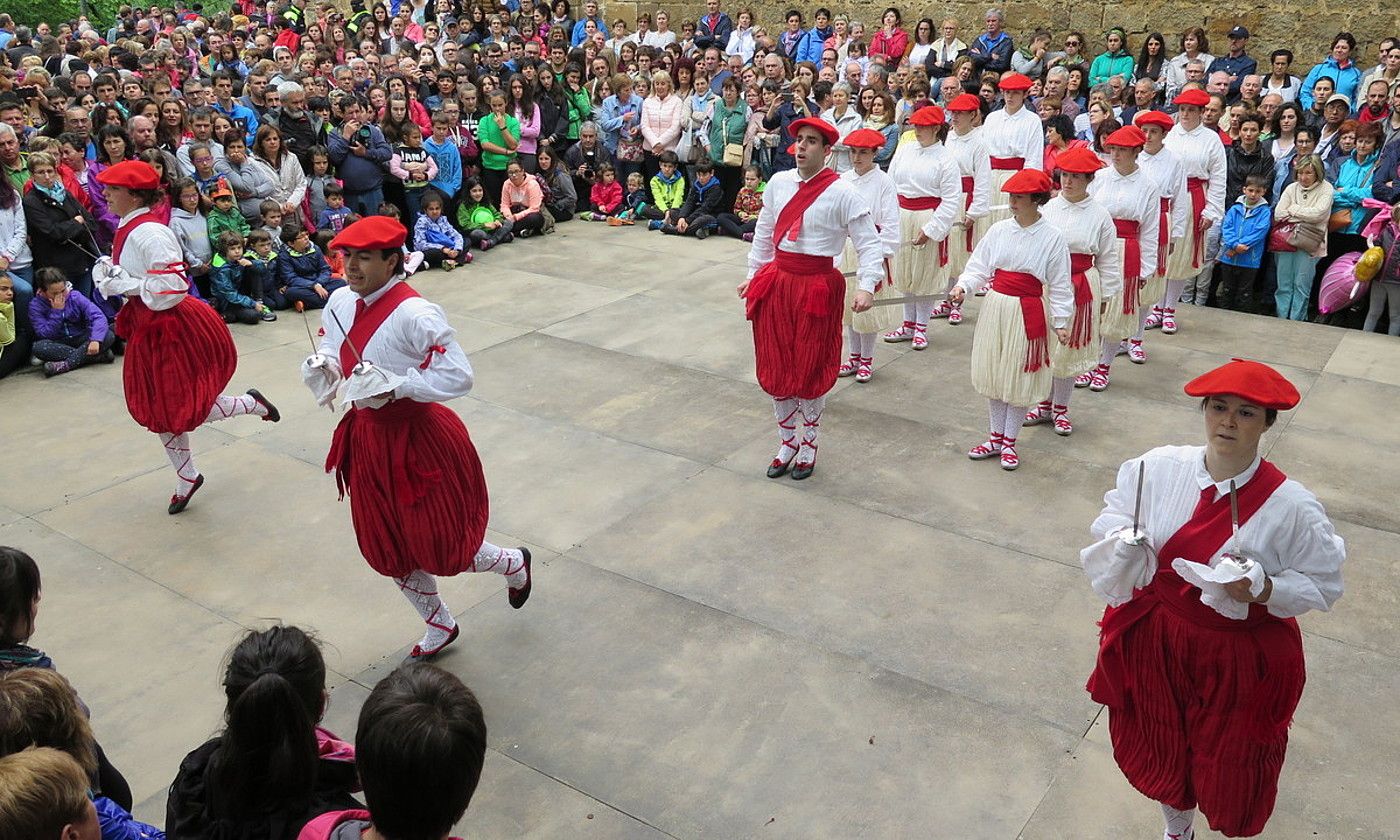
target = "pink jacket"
x: 528, y: 194
x: 892, y: 47
x: 662, y: 121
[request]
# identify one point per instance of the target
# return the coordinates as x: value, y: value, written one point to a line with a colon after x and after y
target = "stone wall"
x: 1306, y: 28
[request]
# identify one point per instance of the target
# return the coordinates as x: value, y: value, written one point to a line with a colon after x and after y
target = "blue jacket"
x: 1353, y: 184
x: 610, y: 119
x: 987, y: 55
x: 360, y: 173
x: 716, y: 36
x: 1386, y: 186
x: 576, y: 37
x: 428, y: 233
x: 449, y: 163
x: 240, y: 112
x: 224, y: 279
x: 1245, y: 225
x: 1348, y: 80
x: 810, y: 46
x: 79, y: 317
x: 302, y: 271
x: 118, y: 824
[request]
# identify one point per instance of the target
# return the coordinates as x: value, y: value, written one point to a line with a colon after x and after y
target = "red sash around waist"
x: 1277, y: 640
x: 1196, y: 188
x: 927, y: 202
x: 1163, y: 235
x: 804, y: 266
x: 1132, y: 262
x: 1083, y: 326
x: 1029, y: 289
x: 1008, y: 163
x: 967, y: 186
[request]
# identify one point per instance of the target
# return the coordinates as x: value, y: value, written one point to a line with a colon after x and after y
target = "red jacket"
x: 606, y: 198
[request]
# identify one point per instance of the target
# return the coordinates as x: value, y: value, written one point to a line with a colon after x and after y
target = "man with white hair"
x: 301, y: 129
x: 1218, y: 84
x: 1056, y: 82
x: 142, y: 131
x: 991, y: 51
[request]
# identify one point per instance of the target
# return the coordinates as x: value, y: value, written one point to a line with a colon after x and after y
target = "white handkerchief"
x: 1211, y: 582
x: 1116, y: 568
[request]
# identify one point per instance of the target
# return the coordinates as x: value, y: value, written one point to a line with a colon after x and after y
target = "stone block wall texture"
x: 1304, y: 27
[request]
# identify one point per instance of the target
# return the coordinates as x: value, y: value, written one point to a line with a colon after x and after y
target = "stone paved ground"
x: 894, y: 648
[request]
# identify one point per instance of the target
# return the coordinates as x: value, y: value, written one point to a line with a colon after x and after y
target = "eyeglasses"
x: 1071, y: 43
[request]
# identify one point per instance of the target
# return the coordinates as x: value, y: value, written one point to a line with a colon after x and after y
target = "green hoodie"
x: 668, y: 195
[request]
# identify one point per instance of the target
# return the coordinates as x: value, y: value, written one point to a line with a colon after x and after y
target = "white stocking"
x: 1178, y: 823
x: 867, y: 345
x: 811, y: 425
x: 910, y: 315
x: 1143, y: 311
x: 921, y: 313
x: 1110, y: 350
x: 852, y: 342
x: 786, y: 411
x: 1012, y: 427
x: 996, y: 410
x: 421, y: 590
x: 227, y: 406
x: 177, y: 449
x: 502, y: 561
x: 1060, y: 390
x: 1173, y: 295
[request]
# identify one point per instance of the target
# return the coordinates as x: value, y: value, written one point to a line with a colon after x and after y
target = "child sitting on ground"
x: 697, y: 216
x: 271, y: 213
x: 480, y: 219
x: 741, y: 222
x: 604, y: 197
x: 236, y: 285
x: 435, y: 236
x: 303, y: 275
x: 47, y: 797
x: 225, y: 215
x: 7, y: 317
x: 262, y: 253
x: 69, y: 330
x: 273, y: 767
x: 419, y: 748
x: 336, y: 215
x: 635, y: 201
x: 334, y: 258
x: 667, y: 192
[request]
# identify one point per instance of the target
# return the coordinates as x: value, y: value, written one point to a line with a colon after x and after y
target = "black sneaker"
x: 702, y: 233
x: 269, y: 315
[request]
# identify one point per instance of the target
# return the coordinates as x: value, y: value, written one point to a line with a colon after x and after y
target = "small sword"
x: 346, y: 333
x: 301, y: 307
x: 1137, y: 504
x: 1235, y: 530
x: 911, y: 299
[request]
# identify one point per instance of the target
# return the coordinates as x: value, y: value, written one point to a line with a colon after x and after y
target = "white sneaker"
x: 412, y: 262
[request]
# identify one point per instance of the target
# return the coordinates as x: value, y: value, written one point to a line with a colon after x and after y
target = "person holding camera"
x: 361, y: 156
x: 585, y: 158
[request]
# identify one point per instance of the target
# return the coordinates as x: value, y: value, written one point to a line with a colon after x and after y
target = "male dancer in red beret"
x: 417, y: 493
x: 794, y: 292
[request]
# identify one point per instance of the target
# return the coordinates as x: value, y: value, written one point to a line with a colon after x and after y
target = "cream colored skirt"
x: 996, y: 198
x: 999, y: 354
x: 958, y: 254
x: 876, y: 318
x: 1152, y: 294
x: 916, y: 270
x: 1179, y: 261
x: 1066, y: 361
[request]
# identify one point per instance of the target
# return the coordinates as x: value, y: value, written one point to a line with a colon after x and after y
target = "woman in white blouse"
x: 741, y: 40
x: 1200, y: 659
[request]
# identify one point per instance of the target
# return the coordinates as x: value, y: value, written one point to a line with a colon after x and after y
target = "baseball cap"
x: 1339, y: 97
x: 1238, y: 32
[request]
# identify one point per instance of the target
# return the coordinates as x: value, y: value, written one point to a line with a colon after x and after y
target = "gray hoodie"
x: 193, y: 232
x: 252, y: 182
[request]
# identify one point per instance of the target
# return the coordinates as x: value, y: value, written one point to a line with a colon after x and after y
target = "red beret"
x: 927, y: 116
x: 372, y: 233
x: 1129, y: 136
x: 865, y: 138
x: 1028, y: 181
x: 965, y: 102
x: 1080, y: 159
x: 1199, y: 98
x: 822, y: 127
x: 1258, y: 383
x: 131, y: 174
x: 1014, y: 81
x: 1157, y: 118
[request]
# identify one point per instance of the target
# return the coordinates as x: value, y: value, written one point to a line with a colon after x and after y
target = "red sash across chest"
x: 369, y: 318
x: 1132, y: 262
x: 927, y: 202
x: 1082, y: 328
x: 789, y: 222
x: 1029, y: 289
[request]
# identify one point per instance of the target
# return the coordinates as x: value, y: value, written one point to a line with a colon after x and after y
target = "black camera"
x: 362, y: 136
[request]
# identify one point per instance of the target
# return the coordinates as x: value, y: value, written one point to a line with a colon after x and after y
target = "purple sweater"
x: 78, y: 317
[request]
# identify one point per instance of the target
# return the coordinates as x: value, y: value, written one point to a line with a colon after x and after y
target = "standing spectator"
x: 1385, y: 288
x: 1237, y: 63
x: 360, y: 154
x: 845, y: 118
x: 742, y: 41
x: 1246, y: 157
x: 1281, y: 79
x: 1351, y: 187
x: 60, y: 231
x: 1306, y: 203
x: 922, y: 43
x: 499, y: 136
x: 728, y: 127
x: 251, y: 179
x: 1282, y: 145
x: 991, y: 51
x: 620, y: 121
x: 271, y: 149
x: 661, y: 121
x: 412, y: 165
x: 1115, y: 60
x: 891, y: 41
x: 714, y: 28
x: 946, y: 50
x: 1338, y: 66
x: 1195, y: 49
x: 1242, y: 234
x: 113, y: 146
x: 1152, y: 62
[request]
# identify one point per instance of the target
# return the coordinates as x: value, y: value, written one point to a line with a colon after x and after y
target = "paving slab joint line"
x: 583, y: 793
x: 1051, y: 784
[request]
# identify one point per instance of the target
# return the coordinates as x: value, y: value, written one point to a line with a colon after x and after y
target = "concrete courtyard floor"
x: 896, y: 648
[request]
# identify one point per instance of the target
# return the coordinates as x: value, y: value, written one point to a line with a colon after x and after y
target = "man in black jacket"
x: 713, y: 28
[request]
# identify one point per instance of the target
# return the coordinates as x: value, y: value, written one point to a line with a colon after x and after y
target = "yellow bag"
x: 1370, y: 264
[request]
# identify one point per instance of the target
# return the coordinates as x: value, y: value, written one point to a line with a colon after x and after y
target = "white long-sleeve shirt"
x: 1202, y: 155
x: 408, y: 337
x: 1039, y: 250
x: 878, y: 191
x: 1015, y: 135
x: 838, y: 213
x: 1133, y: 197
x: 148, y: 251
x: 922, y: 171
x: 973, y: 162
x: 1088, y: 229
x: 14, y: 236
x: 1170, y: 176
x: 1290, y: 535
